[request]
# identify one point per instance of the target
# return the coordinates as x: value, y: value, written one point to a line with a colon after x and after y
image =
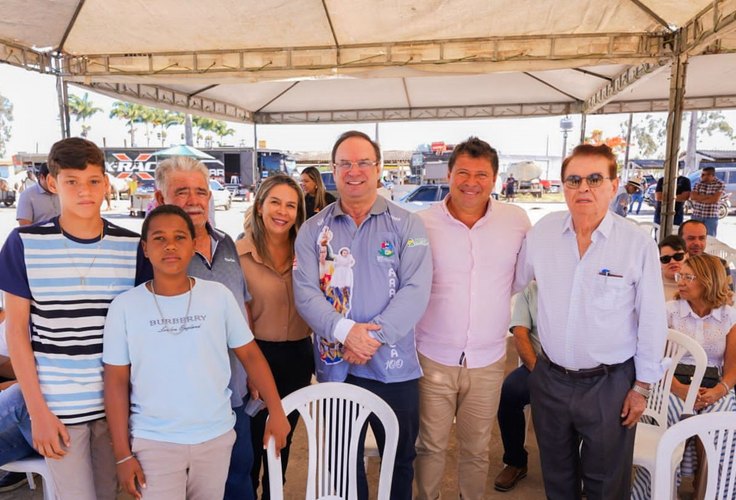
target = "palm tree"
x: 82, y: 109
x: 131, y: 113
x: 6, y: 117
x: 163, y: 119
x: 222, y: 130
x: 204, y: 125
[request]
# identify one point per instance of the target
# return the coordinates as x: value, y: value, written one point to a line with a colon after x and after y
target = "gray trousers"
x: 569, y: 411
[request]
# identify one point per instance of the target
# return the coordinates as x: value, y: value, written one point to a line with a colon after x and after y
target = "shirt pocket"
x: 611, y: 293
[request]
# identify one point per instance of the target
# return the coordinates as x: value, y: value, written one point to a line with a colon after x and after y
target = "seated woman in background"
x: 267, y: 258
x: 672, y: 255
x: 701, y: 311
x: 316, y: 196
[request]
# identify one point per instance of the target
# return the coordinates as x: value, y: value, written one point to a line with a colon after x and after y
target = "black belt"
x: 585, y: 372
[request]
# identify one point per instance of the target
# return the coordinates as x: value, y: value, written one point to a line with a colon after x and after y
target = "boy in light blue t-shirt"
x: 167, y: 372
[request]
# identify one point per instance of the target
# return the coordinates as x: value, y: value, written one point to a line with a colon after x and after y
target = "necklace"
x: 182, y: 326
x: 83, y: 276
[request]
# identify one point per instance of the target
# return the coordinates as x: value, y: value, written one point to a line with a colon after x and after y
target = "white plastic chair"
x: 334, y: 415
x: 717, y: 433
x: 648, y: 435
x: 34, y: 465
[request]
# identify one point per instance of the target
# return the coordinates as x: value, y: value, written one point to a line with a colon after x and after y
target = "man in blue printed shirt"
x: 362, y: 281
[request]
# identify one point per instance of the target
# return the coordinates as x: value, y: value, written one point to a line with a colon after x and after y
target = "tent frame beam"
x: 171, y: 99
x: 599, y: 47
x: 162, y: 97
x: 622, y: 82
x: 708, y: 26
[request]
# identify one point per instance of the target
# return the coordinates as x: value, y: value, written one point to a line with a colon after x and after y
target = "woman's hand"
x: 130, y: 472
x: 707, y: 397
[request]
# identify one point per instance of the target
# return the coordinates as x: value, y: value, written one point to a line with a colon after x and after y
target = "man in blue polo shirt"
x: 362, y: 281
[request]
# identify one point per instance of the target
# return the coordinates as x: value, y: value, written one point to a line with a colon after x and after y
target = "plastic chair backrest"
x: 38, y: 466
x: 717, y: 432
x: 334, y: 415
x: 678, y: 344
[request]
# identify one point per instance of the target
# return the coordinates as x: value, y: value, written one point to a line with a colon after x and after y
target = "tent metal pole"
x: 256, y: 172
x: 627, y: 167
x: 62, y: 93
x: 583, y: 124
x: 674, y: 126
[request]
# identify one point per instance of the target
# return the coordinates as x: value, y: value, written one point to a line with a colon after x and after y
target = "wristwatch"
x: 641, y: 390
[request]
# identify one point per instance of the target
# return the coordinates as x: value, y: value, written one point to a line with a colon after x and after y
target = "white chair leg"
x: 31, y: 481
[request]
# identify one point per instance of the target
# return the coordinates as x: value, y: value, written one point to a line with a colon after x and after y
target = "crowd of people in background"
x: 156, y: 363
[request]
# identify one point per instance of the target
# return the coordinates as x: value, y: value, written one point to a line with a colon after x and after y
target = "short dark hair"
x: 590, y: 150
x: 360, y: 135
x: 75, y: 153
x: 43, y: 169
x: 681, y: 230
x: 166, y: 210
x: 475, y: 148
x: 673, y: 241
x: 709, y: 169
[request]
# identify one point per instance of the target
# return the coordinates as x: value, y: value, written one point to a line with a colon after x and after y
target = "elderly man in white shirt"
x: 602, y: 326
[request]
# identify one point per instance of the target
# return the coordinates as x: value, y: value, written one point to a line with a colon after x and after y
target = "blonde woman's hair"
x: 253, y: 224
x: 709, y: 270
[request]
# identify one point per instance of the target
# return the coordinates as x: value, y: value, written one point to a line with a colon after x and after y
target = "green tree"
x: 82, y: 109
x: 162, y: 119
x: 131, y: 114
x: 6, y: 117
x: 205, y: 127
x: 649, y: 135
x: 222, y: 130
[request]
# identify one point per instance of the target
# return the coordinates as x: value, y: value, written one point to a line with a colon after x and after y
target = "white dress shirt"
x: 603, y: 308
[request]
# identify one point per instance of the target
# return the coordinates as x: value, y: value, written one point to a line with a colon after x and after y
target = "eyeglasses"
x: 687, y: 277
x: 362, y: 164
x: 665, y: 259
x: 593, y: 180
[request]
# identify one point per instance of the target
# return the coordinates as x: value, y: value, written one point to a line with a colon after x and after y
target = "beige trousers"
x: 471, y: 397
x: 180, y: 471
x: 87, y: 471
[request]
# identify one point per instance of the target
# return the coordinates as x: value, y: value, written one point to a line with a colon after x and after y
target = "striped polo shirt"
x: 70, y: 283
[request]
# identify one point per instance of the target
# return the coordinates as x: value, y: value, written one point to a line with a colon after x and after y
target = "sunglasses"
x: 593, y: 180
x: 665, y: 259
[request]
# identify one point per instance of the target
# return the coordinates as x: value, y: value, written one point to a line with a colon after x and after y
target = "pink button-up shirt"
x: 469, y: 307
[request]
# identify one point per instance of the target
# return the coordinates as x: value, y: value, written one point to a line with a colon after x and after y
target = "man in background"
x: 37, y: 203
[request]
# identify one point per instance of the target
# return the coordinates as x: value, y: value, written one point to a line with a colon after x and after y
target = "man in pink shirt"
x: 461, y: 339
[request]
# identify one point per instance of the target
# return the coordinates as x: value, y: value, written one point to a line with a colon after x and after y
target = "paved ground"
x: 530, y: 488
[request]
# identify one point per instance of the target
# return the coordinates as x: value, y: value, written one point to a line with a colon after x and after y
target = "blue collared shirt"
x: 379, y: 272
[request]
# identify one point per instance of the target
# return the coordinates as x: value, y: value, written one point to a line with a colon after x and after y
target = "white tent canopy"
x: 275, y: 61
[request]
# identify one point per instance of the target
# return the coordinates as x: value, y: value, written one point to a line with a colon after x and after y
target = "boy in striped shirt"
x: 59, y: 278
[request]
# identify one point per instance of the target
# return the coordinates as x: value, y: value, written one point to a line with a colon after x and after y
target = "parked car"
x: 329, y: 181
x: 649, y: 195
x: 220, y: 195
x: 424, y: 196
